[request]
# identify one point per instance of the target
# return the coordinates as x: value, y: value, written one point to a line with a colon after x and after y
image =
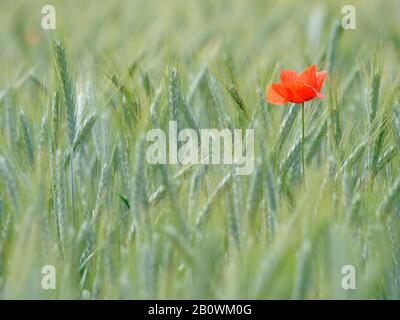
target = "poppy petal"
x: 288, y: 76
x: 321, y: 75
x: 274, y: 95
x: 319, y: 95
x: 308, y: 76
x: 296, y: 88
x: 291, y: 92
x: 305, y: 92
x: 299, y: 92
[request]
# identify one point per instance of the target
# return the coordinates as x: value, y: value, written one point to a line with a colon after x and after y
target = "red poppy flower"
x: 296, y: 88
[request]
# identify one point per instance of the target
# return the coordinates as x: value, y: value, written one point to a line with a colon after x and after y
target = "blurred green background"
x: 256, y: 32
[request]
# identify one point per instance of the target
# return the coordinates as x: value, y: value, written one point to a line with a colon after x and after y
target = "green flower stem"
x: 303, y: 167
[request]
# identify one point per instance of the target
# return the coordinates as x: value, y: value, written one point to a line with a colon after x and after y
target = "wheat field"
x: 76, y: 191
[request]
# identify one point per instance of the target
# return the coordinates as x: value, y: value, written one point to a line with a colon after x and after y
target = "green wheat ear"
x: 26, y: 132
x: 11, y: 184
x: 67, y: 88
x: 373, y: 95
x: 68, y: 95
